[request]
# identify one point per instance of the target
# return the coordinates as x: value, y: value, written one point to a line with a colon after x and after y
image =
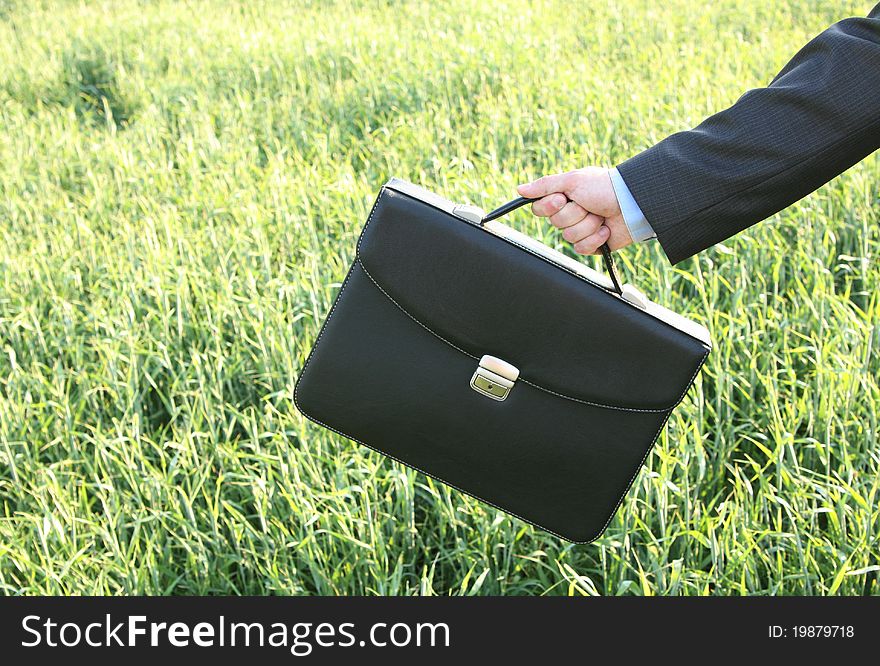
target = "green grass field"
x: 181, y: 188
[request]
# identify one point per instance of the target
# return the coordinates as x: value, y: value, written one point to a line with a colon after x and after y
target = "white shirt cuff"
x: 633, y: 217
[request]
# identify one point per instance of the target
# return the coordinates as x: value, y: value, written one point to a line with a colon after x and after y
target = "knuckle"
x: 544, y: 208
x: 584, y: 247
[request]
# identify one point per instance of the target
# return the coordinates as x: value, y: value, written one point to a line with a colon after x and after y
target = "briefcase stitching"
x: 358, y: 260
x: 523, y: 379
x: 336, y: 302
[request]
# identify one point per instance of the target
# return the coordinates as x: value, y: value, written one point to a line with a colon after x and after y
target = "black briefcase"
x: 495, y: 364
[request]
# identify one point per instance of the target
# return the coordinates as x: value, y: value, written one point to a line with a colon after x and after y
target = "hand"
x: 583, y: 204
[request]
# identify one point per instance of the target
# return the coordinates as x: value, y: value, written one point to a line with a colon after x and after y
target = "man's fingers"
x: 583, y: 229
x: 571, y: 213
x: 591, y: 244
x: 583, y: 204
x: 549, y: 205
x: 544, y: 186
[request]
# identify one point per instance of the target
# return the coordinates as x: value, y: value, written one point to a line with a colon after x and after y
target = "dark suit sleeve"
x: 818, y: 117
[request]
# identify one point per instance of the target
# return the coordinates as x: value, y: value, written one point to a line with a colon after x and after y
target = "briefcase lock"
x: 494, y: 378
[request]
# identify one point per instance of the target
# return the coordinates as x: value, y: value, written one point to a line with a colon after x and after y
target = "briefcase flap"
x: 481, y: 294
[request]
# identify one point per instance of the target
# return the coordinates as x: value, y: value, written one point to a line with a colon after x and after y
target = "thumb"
x: 544, y: 186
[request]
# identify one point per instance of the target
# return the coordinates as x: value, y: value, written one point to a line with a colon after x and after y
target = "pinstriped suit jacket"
x: 818, y: 117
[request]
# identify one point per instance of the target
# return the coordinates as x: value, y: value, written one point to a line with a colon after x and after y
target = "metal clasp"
x: 472, y: 214
x: 494, y: 378
x: 634, y: 296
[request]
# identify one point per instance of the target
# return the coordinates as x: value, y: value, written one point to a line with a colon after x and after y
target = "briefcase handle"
x: 606, y: 251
